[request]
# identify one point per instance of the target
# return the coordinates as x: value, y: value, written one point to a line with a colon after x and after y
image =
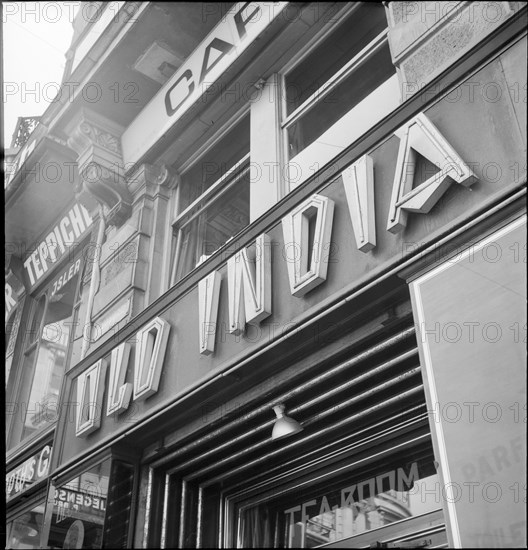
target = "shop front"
x: 295, y: 318
x: 324, y: 307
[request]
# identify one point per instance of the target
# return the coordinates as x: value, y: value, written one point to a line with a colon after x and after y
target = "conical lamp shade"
x: 284, y: 425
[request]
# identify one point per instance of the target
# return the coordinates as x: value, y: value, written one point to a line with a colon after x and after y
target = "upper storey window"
x: 345, y: 65
x: 45, y: 356
x: 213, y: 200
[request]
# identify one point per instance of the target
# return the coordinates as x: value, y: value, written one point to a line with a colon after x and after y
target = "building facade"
x: 242, y: 218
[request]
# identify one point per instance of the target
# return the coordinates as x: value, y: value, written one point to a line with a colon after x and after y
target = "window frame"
x: 286, y: 121
x: 31, y: 343
x: 25, y: 505
x: 234, y: 502
x: 180, y: 218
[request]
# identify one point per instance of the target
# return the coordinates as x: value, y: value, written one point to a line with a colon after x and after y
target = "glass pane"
x: 358, y: 85
x: 79, y: 508
x: 51, y: 358
x: 215, y: 163
x: 360, y: 28
x: 353, y: 503
x: 25, y: 530
x: 222, y: 219
x: 34, y: 330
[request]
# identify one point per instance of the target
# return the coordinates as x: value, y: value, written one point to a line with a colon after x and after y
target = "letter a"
x: 421, y: 136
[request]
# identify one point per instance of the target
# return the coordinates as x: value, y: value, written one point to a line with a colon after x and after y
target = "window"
x: 45, y: 356
x: 344, y: 68
x: 93, y: 510
x: 361, y: 499
x: 26, y: 529
x: 213, y: 200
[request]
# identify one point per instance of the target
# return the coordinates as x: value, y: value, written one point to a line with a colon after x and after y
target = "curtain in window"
x: 259, y: 528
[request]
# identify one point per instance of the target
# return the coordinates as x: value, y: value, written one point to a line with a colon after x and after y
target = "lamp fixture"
x: 284, y: 425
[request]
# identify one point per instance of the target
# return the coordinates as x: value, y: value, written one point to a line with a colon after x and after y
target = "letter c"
x: 168, y: 103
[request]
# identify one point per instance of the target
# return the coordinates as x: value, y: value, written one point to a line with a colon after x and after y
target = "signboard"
x: 361, y: 239
x: 215, y: 54
x: 471, y: 317
x: 28, y: 474
x: 68, y: 232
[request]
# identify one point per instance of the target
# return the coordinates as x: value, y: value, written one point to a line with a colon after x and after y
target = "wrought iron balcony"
x: 24, y: 128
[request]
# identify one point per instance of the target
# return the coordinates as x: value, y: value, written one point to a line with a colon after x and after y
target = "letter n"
x: 421, y: 136
x: 249, y: 285
x: 90, y: 389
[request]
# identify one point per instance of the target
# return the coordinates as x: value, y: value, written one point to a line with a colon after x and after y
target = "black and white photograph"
x: 265, y: 274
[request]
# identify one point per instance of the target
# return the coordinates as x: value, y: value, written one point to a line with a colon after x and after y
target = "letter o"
x: 98, y: 91
x: 445, y: 334
x: 498, y: 492
x: 497, y: 416
x: 498, y: 332
x: 452, y: 485
x: 458, y: 409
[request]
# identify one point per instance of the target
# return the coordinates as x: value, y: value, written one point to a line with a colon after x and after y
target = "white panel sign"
x: 222, y: 46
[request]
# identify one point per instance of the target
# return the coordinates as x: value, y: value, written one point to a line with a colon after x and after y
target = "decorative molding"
x: 105, y: 186
x: 421, y: 136
x: 97, y: 135
x: 249, y: 274
x: 208, y: 297
x: 305, y: 270
x: 167, y: 177
x: 119, y: 392
x: 97, y: 144
x: 152, y: 175
x: 358, y: 181
x: 150, y: 352
x: 90, y: 389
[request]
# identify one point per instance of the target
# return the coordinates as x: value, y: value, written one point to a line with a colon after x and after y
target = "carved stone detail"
x: 152, y: 175
x: 167, y: 177
x: 101, y: 137
x: 100, y: 163
x: 106, y: 187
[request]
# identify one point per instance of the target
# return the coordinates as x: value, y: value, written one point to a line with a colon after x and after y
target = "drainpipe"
x: 94, y: 283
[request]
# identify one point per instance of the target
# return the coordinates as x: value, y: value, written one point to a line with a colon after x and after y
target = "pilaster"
x: 132, y: 254
x: 427, y: 37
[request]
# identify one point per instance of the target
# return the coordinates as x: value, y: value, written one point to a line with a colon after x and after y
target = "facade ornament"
x: 99, y: 136
x: 97, y: 143
x: 152, y: 176
x: 167, y: 177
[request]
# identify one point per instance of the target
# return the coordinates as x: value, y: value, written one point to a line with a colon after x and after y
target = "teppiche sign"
x: 67, y: 233
x: 222, y: 46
